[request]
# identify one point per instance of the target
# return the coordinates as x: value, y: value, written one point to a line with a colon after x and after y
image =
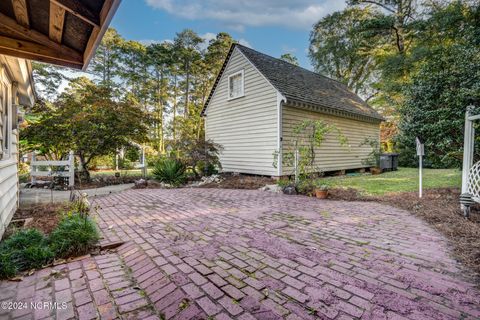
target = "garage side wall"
x: 331, y: 156
x: 246, y: 127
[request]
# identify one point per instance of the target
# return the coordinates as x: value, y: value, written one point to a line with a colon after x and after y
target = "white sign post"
x: 420, y: 154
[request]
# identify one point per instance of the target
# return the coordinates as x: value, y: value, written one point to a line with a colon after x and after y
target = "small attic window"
x: 235, y: 85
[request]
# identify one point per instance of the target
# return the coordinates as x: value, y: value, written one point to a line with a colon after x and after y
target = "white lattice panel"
x: 474, y: 181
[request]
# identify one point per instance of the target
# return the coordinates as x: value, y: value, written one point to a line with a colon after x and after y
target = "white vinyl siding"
x: 246, y: 127
x: 331, y: 156
x: 9, y: 184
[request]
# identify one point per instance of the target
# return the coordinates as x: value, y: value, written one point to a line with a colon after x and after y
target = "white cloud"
x: 245, y: 43
x: 237, y: 14
x: 206, y: 39
x: 210, y: 36
x: 287, y: 49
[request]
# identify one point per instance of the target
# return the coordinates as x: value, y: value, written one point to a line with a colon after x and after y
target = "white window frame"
x: 6, y: 100
x: 242, y: 92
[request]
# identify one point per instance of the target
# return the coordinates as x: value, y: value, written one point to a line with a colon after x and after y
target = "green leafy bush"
x: 24, y: 250
x: 171, y: 171
x: 306, y: 186
x: 75, y: 235
x: 199, y: 156
x: 206, y: 168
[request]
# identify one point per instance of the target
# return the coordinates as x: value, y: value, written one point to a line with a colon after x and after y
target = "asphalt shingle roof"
x: 301, y: 85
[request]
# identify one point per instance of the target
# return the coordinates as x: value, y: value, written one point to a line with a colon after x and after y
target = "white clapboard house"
x: 256, y: 102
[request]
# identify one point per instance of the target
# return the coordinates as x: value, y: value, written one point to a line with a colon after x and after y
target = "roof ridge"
x: 294, y: 65
x: 303, y: 85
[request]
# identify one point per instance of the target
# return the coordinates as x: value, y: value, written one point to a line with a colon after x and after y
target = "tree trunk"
x: 162, y: 144
x: 174, y: 122
x: 187, y: 88
x: 84, y: 173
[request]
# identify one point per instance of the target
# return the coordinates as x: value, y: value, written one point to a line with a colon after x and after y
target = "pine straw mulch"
x: 240, y: 181
x: 441, y: 209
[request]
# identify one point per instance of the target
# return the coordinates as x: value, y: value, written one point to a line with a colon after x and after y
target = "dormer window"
x: 235, y: 85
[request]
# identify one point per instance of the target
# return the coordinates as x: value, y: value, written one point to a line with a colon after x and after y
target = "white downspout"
x: 280, y: 100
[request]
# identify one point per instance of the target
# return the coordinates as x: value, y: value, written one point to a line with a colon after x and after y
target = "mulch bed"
x: 441, y: 209
x: 44, y: 217
x: 240, y: 181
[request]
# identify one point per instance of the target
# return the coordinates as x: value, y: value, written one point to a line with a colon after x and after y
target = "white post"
x: 33, y: 180
x: 71, y: 169
x: 420, y: 182
x: 144, y: 166
x: 116, y: 161
x: 468, y: 145
x: 295, y: 164
x: 32, y: 169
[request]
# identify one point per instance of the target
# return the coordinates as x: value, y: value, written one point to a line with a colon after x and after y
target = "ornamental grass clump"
x: 75, y: 235
x: 24, y: 250
x: 27, y: 249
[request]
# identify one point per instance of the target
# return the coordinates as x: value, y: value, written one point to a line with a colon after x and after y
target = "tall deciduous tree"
x: 445, y: 81
x: 401, y: 12
x: 342, y: 47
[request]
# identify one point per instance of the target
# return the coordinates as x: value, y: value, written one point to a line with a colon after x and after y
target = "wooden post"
x: 32, y: 169
x: 468, y: 145
x: 71, y: 169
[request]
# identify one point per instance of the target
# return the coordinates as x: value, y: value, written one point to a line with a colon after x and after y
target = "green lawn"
x: 405, y: 179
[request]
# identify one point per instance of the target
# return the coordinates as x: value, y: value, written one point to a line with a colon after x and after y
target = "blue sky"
x: 270, y: 26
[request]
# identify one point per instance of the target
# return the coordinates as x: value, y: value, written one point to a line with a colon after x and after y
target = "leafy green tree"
x: 160, y: 59
x: 290, y: 58
x: 87, y: 120
x: 133, y: 62
x: 446, y: 81
x: 186, y: 45
x: 343, y: 47
x: 105, y: 64
x: 48, y: 79
x: 401, y: 14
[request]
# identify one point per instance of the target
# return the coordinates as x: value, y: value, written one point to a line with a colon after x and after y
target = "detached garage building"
x: 256, y: 102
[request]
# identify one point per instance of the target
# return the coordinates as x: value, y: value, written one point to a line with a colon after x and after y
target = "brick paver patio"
x: 232, y: 254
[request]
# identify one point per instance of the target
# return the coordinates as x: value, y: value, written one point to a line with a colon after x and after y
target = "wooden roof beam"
x: 80, y: 11
x: 21, y: 12
x: 30, y: 50
x: 17, y: 38
x: 57, y: 19
x: 106, y: 14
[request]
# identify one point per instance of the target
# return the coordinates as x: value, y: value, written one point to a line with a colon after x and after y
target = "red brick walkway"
x: 232, y: 254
